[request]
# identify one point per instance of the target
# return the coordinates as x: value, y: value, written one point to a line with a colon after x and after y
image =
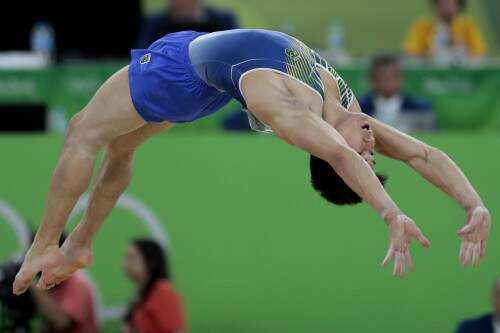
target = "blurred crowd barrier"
x: 463, y: 98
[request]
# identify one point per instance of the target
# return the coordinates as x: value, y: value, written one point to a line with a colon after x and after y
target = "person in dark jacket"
x: 184, y: 15
x: 489, y: 323
x: 388, y: 103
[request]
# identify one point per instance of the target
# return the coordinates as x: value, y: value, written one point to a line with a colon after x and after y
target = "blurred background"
x: 246, y: 243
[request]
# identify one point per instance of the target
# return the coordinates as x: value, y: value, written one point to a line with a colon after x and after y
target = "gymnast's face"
x: 358, y: 134
x: 134, y: 266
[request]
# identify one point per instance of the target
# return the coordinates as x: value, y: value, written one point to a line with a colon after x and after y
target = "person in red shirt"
x: 158, y: 308
x: 68, y: 307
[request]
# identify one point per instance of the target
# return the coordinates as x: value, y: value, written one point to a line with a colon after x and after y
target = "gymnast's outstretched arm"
x: 435, y: 166
x: 294, y: 115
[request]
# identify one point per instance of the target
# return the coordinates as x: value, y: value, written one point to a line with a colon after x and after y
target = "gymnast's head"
x: 356, y: 131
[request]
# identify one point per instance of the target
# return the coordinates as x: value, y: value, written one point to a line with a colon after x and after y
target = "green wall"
x: 254, y: 249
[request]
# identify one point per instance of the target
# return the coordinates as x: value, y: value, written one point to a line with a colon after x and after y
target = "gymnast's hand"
x: 474, y: 235
x: 402, y: 231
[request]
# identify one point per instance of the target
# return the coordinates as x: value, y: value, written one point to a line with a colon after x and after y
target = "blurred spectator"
x: 16, y: 311
x: 389, y: 104
x: 158, y: 308
x: 489, y: 323
x: 67, y: 307
x: 448, y: 37
x: 184, y: 15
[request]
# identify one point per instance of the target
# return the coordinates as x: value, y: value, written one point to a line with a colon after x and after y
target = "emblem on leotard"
x: 145, y: 58
x: 300, y: 64
x: 292, y: 54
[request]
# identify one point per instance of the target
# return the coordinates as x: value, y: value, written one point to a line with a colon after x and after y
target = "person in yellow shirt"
x: 448, y: 37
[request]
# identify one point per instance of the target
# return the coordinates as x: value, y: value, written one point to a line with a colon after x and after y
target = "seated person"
x: 158, y: 307
x: 387, y: 103
x: 489, y: 323
x: 184, y: 15
x: 68, y: 307
x: 448, y: 37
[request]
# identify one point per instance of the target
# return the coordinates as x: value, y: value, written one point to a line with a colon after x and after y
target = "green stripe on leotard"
x: 301, y: 64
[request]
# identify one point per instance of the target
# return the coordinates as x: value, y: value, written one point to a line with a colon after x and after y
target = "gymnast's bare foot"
x: 56, y: 264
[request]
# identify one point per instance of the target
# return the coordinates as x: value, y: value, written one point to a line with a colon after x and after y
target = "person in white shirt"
x: 390, y: 104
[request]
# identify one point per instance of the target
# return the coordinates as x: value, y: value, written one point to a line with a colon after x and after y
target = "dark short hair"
x: 330, y: 186
x: 382, y: 60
